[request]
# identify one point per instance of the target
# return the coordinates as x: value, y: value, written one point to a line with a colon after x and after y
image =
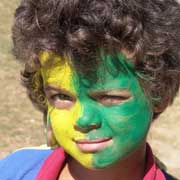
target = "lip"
x: 90, y: 146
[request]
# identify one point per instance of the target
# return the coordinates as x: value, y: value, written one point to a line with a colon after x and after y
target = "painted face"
x: 96, y: 123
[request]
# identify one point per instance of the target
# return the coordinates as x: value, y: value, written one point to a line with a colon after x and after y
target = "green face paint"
x: 108, y: 119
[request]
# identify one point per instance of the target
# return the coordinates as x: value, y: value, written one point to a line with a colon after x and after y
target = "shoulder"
x: 163, y: 168
x: 168, y: 176
x: 23, y: 164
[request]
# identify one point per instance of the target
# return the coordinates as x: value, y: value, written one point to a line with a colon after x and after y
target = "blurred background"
x: 22, y: 126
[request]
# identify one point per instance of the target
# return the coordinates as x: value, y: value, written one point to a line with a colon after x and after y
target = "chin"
x: 99, y: 165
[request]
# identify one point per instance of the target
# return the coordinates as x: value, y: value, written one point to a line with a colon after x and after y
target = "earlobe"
x: 51, y: 140
x: 160, y: 107
x: 157, y: 110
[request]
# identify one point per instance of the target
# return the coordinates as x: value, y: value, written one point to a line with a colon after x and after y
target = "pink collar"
x: 55, y: 161
x: 52, y: 165
x: 152, y: 171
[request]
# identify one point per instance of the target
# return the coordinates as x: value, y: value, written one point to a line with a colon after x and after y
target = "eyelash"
x: 110, y: 100
x: 61, y: 96
x: 112, y: 97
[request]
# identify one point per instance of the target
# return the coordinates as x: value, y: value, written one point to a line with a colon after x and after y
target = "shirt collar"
x: 52, y: 165
x: 152, y: 171
x: 55, y: 161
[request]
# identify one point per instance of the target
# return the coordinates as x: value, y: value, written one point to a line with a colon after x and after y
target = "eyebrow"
x: 62, y: 90
x: 49, y: 87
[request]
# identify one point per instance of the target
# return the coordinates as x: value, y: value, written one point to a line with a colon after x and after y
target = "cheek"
x: 63, y: 121
x: 130, y: 121
x: 129, y: 127
x: 62, y: 124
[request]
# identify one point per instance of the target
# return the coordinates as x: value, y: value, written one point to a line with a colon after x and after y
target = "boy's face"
x: 96, y: 123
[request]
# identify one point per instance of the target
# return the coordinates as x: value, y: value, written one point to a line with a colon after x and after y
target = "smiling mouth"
x: 90, y: 146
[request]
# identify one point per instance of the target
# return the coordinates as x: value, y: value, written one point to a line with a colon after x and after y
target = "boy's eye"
x: 109, y: 100
x: 113, y: 97
x: 61, y: 101
x: 57, y: 97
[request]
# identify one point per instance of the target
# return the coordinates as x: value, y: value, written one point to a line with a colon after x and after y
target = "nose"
x: 89, y: 120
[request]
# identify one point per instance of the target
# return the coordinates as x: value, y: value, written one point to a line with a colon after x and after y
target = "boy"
x: 101, y: 72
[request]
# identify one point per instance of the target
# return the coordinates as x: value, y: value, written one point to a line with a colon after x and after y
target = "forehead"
x: 56, y: 71
x: 112, y: 72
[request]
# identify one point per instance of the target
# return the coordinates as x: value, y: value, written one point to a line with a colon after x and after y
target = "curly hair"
x: 148, y: 30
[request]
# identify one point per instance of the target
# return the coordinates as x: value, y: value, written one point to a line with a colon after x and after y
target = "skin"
x: 113, y: 108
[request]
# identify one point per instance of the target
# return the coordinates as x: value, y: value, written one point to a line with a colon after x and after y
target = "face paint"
x: 63, y: 120
x: 107, y: 119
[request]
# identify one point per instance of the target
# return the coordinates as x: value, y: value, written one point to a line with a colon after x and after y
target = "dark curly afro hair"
x: 148, y: 30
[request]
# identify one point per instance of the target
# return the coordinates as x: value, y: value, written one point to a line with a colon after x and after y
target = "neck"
x: 129, y: 168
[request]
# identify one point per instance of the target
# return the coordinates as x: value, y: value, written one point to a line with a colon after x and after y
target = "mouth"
x: 90, y: 146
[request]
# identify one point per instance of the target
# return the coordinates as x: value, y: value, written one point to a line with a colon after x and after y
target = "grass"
x: 21, y: 125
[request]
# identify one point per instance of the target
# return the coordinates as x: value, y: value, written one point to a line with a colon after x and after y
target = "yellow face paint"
x: 60, y: 76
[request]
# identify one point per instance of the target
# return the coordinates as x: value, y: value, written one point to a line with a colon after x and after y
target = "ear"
x: 158, y: 109
x: 51, y: 139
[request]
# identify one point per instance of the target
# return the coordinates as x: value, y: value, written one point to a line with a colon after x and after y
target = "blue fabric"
x: 23, y: 164
x: 168, y: 177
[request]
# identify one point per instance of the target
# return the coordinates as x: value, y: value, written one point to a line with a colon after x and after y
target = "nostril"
x: 94, y: 126
x: 87, y: 128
